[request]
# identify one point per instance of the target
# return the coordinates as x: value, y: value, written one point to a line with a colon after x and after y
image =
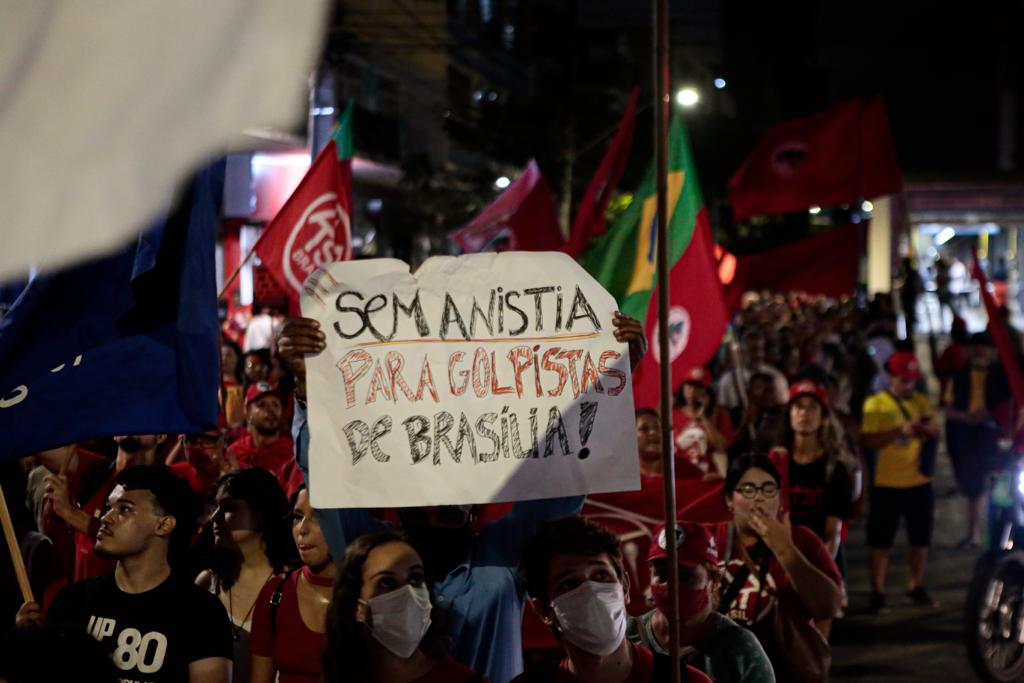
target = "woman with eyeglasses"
x: 770, y: 568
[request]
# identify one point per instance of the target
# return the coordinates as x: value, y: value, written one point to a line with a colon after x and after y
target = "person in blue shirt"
x: 473, y: 572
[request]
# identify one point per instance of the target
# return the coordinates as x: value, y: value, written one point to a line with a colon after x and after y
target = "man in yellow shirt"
x: 899, y: 425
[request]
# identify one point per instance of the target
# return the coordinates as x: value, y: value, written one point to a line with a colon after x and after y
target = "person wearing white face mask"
x: 381, y: 623
x: 573, y: 571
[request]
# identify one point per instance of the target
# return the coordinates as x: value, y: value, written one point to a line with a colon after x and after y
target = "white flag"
x: 105, y: 105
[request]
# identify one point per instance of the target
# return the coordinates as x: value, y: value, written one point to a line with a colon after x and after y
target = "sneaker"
x: 922, y: 598
x: 877, y: 604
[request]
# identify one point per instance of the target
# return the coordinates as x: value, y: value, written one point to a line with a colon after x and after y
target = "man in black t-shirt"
x: 157, y: 627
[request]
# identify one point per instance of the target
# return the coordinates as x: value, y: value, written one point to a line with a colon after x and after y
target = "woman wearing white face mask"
x: 381, y: 624
x: 573, y: 572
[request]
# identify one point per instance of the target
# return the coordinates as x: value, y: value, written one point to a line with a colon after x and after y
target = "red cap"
x: 698, y: 375
x: 257, y: 390
x: 904, y: 365
x: 694, y: 544
x: 806, y: 387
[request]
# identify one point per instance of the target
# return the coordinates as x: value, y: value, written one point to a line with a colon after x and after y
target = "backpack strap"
x: 275, y: 599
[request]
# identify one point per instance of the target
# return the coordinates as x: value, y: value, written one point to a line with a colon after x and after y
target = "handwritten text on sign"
x: 483, y: 378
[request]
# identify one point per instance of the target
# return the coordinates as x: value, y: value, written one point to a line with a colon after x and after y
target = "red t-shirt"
x: 754, y: 601
x: 296, y: 649
x: 270, y: 457
x: 291, y: 477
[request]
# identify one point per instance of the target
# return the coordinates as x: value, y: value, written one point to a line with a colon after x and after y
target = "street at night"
x: 494, y: 341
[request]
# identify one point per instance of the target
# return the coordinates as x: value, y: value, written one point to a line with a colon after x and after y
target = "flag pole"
x: 661, y: 115
x: 15, y: 551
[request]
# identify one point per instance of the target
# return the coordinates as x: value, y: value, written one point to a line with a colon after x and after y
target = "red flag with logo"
x: 522, y: 218
x: 312, y: 228
x: 833, y: 157
x: 697, y: 317
x: 589, y: 222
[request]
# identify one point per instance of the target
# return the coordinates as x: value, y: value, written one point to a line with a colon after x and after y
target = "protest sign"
x: 481, y: 378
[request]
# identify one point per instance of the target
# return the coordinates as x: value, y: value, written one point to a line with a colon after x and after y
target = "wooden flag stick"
x: 15, y: 550
x: 231, y: 279
x: 172, y: 457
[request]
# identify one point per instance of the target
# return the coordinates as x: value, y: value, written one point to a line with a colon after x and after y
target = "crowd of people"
x: 199, y: 557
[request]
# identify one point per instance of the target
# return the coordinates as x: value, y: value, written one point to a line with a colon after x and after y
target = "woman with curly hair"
x: 382, y: 624
x: 252, y: 544
x: 815, y: 465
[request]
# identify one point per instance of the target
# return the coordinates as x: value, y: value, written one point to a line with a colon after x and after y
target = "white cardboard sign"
x: 481, y: 378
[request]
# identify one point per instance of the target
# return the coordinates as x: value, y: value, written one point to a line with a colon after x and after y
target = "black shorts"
x: 888, y: 505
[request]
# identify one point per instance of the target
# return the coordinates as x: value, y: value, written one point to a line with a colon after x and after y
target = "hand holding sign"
x: 484, y: 378
x: 300, y: 337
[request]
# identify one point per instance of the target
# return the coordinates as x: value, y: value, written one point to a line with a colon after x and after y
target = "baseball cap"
x: 904, y: 365
x: 258, y: 390
x: 806, y: 387
x: 698, y: 375
x: 694, y: 544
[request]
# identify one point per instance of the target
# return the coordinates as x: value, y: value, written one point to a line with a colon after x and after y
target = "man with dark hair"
x: 263, y: 446
x: 572, y: 568
x: 157, y: 626
x: 763, y: 418
x: 256, y: 366
x: 75, y: 500
x: 973, y: 392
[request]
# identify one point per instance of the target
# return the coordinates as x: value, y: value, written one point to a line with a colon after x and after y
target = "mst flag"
x: 125, y: 344
x: 833, y: 157
x: 311, y: 229
x: 623, y: 260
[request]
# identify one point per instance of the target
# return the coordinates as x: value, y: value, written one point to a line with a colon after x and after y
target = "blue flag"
x: 124, y: 344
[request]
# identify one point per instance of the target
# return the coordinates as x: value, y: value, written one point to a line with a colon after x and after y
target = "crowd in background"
x: 199, y: 557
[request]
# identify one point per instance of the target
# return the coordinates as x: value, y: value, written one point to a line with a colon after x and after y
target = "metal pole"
x: 661, y: 116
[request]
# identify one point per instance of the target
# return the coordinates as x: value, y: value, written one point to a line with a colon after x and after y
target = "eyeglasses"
x: 770, y: 489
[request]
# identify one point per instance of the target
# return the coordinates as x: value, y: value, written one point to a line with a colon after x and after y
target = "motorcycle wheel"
x: 994, y: 617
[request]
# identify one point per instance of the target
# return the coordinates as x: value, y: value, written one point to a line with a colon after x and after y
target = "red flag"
x: 311, y: 229
x: 697, y: 317
x: 827, y: 264
x: 589, y: 221
x: 522, y: 218
x: 997, y: 327
x: 833, y: 157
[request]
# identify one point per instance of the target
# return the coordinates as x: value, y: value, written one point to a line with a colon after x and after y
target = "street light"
x: 814, y: 210
x: 720, y: 83
x: 687, y: 97
x: 502, y: 182
x: 866, y: 206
